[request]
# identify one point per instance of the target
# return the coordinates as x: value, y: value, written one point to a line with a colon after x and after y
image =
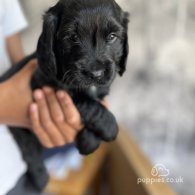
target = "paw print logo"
x: 160, y: 170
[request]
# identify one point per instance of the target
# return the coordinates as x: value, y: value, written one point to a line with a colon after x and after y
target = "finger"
x: 46, y: 120
x: 105, y: 103
x: 37, y: 129
x: 54, y: 106
x: 58, y: 115
x: 69, y: 132
x: 71, y: 113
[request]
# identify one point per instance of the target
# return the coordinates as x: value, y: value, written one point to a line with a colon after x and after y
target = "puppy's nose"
x: 97, y: 73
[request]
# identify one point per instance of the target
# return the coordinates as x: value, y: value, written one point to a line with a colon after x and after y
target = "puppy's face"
x: 89, y: 42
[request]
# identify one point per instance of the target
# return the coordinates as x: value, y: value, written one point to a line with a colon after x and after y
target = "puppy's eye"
x: 74, y: 38
x: 111, y: 38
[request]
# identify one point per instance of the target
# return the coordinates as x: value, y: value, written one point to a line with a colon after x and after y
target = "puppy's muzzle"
x: 95, y: 74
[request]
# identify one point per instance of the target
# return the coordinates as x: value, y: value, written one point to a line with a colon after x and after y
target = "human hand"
x: 55, y: 119
x: 16, y: 97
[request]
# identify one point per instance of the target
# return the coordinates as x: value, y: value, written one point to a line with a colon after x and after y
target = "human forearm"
x: 3, y: 110
x: 16, y: 97
x: 14, y: 48
x: 13, y: 110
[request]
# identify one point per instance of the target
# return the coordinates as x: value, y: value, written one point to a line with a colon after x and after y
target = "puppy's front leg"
x: 100, y: 125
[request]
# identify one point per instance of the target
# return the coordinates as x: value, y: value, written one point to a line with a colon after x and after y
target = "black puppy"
x: 83, y: 45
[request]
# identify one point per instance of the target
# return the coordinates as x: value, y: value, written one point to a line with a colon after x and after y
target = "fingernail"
x: 60, y: 94
x: 33, y: 107
x: 67, y: 98
x: 38, y: 94
x: 47, y: 90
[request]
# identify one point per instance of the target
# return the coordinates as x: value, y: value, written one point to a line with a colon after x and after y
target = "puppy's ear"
x: 123, y: 61
x: 45, y: 53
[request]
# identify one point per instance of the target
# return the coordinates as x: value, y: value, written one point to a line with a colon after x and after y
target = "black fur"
x: 83, y: 45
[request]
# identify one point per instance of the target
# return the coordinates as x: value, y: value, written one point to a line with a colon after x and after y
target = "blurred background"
x: 154, y: 100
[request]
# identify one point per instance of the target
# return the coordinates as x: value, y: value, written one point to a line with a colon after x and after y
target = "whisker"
x: 66, y: 73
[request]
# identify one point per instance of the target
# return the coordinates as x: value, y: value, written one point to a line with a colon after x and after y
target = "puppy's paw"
x: 87, y: 142
x: 106, y: 128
